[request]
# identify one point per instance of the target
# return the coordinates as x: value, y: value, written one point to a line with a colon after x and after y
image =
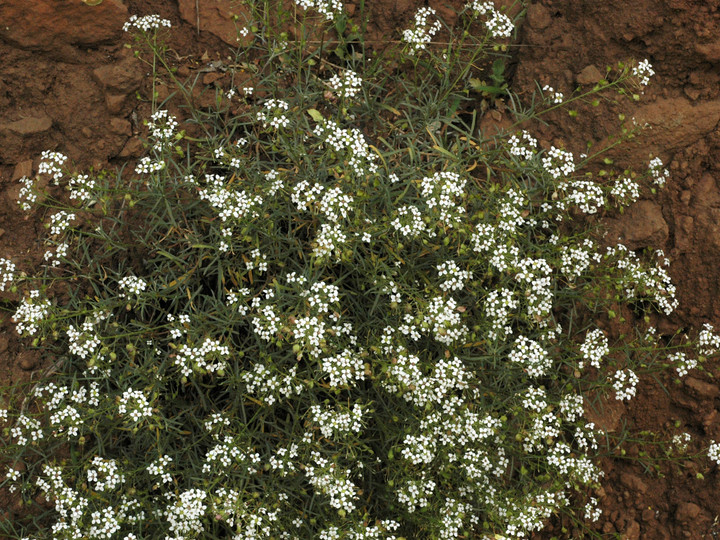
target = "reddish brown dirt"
x: 76, y: 93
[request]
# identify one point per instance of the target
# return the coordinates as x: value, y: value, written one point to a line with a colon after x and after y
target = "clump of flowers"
x: 422, y: 33
x: 499, y: 24
x: 329, y: 318
x: 145, y: 23
x: 346, y: 85
x: 643, y: 71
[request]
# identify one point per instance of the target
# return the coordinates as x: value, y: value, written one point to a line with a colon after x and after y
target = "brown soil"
x: 74, y: 90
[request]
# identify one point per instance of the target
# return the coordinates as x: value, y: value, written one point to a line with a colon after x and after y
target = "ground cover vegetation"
x: 341, y: 312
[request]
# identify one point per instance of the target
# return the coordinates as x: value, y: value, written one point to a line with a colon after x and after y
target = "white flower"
x: 499, y: 24
x: 659, y: 176
x: 105, y: 475
x: 329, y: 8
x: 708, y: 342
x: 7, y: 272
x: 135, y: 404
x: 131, y: 285
x: 594, y: 348
x: 534, y: 359
x: 558, y: 162
x: 555, y: 97
x: 625, y: 384
x: 682, y: 362
x: 30, y: 313
x: 347, y: 85
x: 644, y: 71
x: 714, y: 452
x: 145, y: 23
x: 146, y: 165
x: 420, y: 36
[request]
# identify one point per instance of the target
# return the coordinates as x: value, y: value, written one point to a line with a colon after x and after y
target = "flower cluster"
x: 334, y: 423
x: 347, y: 85
x: 344, y: 368
x: 625, y: 384
x: 660, y: 175
x: 105, y: 474
x: 30, y: 313
x: 328, y: 480
x: 708, y: 342
x: 439, y: 192
x: 682, y: 362
x: 27, y: 196
x: 26, y: 427
x: 555, y: 97
x: 82, y: 187
x: 714, y: 452
x: 209, y: 357
x: 454, y: 277
x: 594, y: 348
x: 499, y: 24
x: 7, y: 272
x: 50, y: 164
x: 145, y: 23
x: 274, y: 114
x: 131, y: 285
x: 446, y: 320
x: 146, y: 165
x: 159, y: 468
x: 625, y: 191
x: 349, y: 144
x: 587, y: 195
x: 60, y: 222
x: 643, y: 71
x: 162, y: 127
x: 530, y: 354
x: 523, y: 146
x: 330, y: 8
x: 558, y: 163
x: 135, y: 404
x: 421, y: 35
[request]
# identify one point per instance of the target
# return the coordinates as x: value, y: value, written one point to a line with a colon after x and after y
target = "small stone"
x: 24, y: 168
x: 633, y: 482
x: 114, y: 102
x: 124, y: 76
x: 28, y: 360
x: 632, y: 531
x: 648, y: 514
x: 120, y: 126
x: 29, y: 126
x: 608, y: 527
x: 4, y: 342
x: 538, y: 16
x: 702, y: 388
x: 183, y: 71
x: 211, y: 77
x: 642, y: 225
x: 589, y: 75
x: 687, y: 511
x: 132, y: 148
x: 49, y: 25
x: 217, y: 17
x: 692, y: 93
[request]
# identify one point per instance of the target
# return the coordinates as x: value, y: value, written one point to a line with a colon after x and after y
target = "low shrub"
x: 328, y: 306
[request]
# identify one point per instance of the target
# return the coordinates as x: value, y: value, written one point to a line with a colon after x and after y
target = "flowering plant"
x: 360, y: 320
